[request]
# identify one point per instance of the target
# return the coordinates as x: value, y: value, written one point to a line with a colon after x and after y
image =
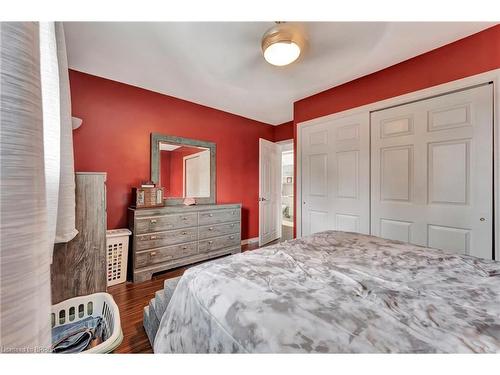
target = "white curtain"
x: 58, y: 137
x: 65, y: 229
x: 36, y: 180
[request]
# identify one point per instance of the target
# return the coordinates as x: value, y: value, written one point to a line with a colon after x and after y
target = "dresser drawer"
x: 165, y: 254
x: 218, y: 230
x: 166, y: 222
x: 219, y: 216
x: 205, y: 246
x: 160, y: 239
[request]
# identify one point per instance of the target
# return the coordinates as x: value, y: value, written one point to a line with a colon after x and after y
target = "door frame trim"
x: 441, y: 89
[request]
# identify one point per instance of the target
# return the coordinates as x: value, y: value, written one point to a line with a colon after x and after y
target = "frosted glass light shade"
x: 283, y: 43
x: 282, y: 53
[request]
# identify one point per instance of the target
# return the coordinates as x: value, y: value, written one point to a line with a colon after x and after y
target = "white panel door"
x: 335, y: 175
x: 191, y: 173
x: 269, y: 191
x: 197, y: 174
x: 432, y: 164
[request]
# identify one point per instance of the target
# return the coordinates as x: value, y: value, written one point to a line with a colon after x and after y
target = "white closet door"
x: 335, y: 175
x: 432, y: 164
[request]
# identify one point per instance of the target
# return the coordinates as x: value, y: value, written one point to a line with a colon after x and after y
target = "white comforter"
x: 336, y: 292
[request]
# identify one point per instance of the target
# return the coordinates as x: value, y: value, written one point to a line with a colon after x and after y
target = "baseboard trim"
x: 249, y: 240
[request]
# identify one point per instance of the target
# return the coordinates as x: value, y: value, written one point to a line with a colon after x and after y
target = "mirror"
x: 184, y: 168
x: 185, y: 171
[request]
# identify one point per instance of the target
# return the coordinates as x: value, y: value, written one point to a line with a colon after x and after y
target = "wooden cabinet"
x: 79, y: 266
x: 174, y: 236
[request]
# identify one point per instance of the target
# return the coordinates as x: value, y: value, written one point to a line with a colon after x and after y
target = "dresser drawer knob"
x: 232, y: 225
x: 153, y: 237
x: 184, y: 247
x: 153, y: 253
x: 211, y: 228
x: 231, y: 237
x: 210, y: 242
x: 184, y: 218
x: 153, y: 221
x: 184, y: 233
x: 210, y: 215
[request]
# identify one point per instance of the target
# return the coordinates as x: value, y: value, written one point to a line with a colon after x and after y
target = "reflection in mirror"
x: 184, y: 170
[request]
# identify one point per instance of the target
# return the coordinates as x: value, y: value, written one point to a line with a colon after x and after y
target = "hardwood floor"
x: 131, y: 299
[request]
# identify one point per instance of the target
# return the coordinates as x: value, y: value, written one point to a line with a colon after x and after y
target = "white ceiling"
x: 219, y: 64
x: 168, y: 147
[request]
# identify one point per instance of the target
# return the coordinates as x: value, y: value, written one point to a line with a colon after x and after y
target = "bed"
x: 336, y: 292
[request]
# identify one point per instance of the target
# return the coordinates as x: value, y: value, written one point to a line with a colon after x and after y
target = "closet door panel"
x: 335, y: 175
x: 315, y: 161
x: 431, y: 174
x: 351, y: 168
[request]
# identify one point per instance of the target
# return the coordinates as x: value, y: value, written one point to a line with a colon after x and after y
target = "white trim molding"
x: 445, y: 88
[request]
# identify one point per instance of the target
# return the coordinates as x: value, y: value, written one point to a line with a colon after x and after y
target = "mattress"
x: 336, y: 292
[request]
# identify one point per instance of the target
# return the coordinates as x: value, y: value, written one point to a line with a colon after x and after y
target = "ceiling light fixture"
x: 282, y: 44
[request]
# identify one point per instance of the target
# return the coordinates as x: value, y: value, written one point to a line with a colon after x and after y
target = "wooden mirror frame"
x: 156, y: 138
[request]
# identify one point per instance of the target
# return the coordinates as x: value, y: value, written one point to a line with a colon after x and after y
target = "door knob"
x: 482, y: 219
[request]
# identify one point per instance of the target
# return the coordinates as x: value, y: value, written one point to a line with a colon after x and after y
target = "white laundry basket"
x: 97, y: 304
x: 116, y: 255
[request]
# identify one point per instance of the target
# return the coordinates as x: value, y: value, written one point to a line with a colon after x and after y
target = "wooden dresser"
x: 174, y: 236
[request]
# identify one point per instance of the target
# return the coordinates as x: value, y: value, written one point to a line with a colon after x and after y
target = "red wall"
x: 472, y: 55
x: 283, y: 132
x: 115, y: 138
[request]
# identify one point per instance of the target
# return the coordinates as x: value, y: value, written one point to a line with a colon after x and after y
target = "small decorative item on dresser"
x: 189, y: 202
x: 148, y: 184
x: 146, y: 197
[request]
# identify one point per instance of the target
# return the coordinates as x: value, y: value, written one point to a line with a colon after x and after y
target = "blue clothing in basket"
x: 76, y: 337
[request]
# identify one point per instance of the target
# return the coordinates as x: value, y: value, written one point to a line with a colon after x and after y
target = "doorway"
x: 287, y: 197
x: 276, y: 186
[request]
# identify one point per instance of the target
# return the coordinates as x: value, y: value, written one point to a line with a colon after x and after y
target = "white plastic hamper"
x: 116, y: 255
x: 97, y: 304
